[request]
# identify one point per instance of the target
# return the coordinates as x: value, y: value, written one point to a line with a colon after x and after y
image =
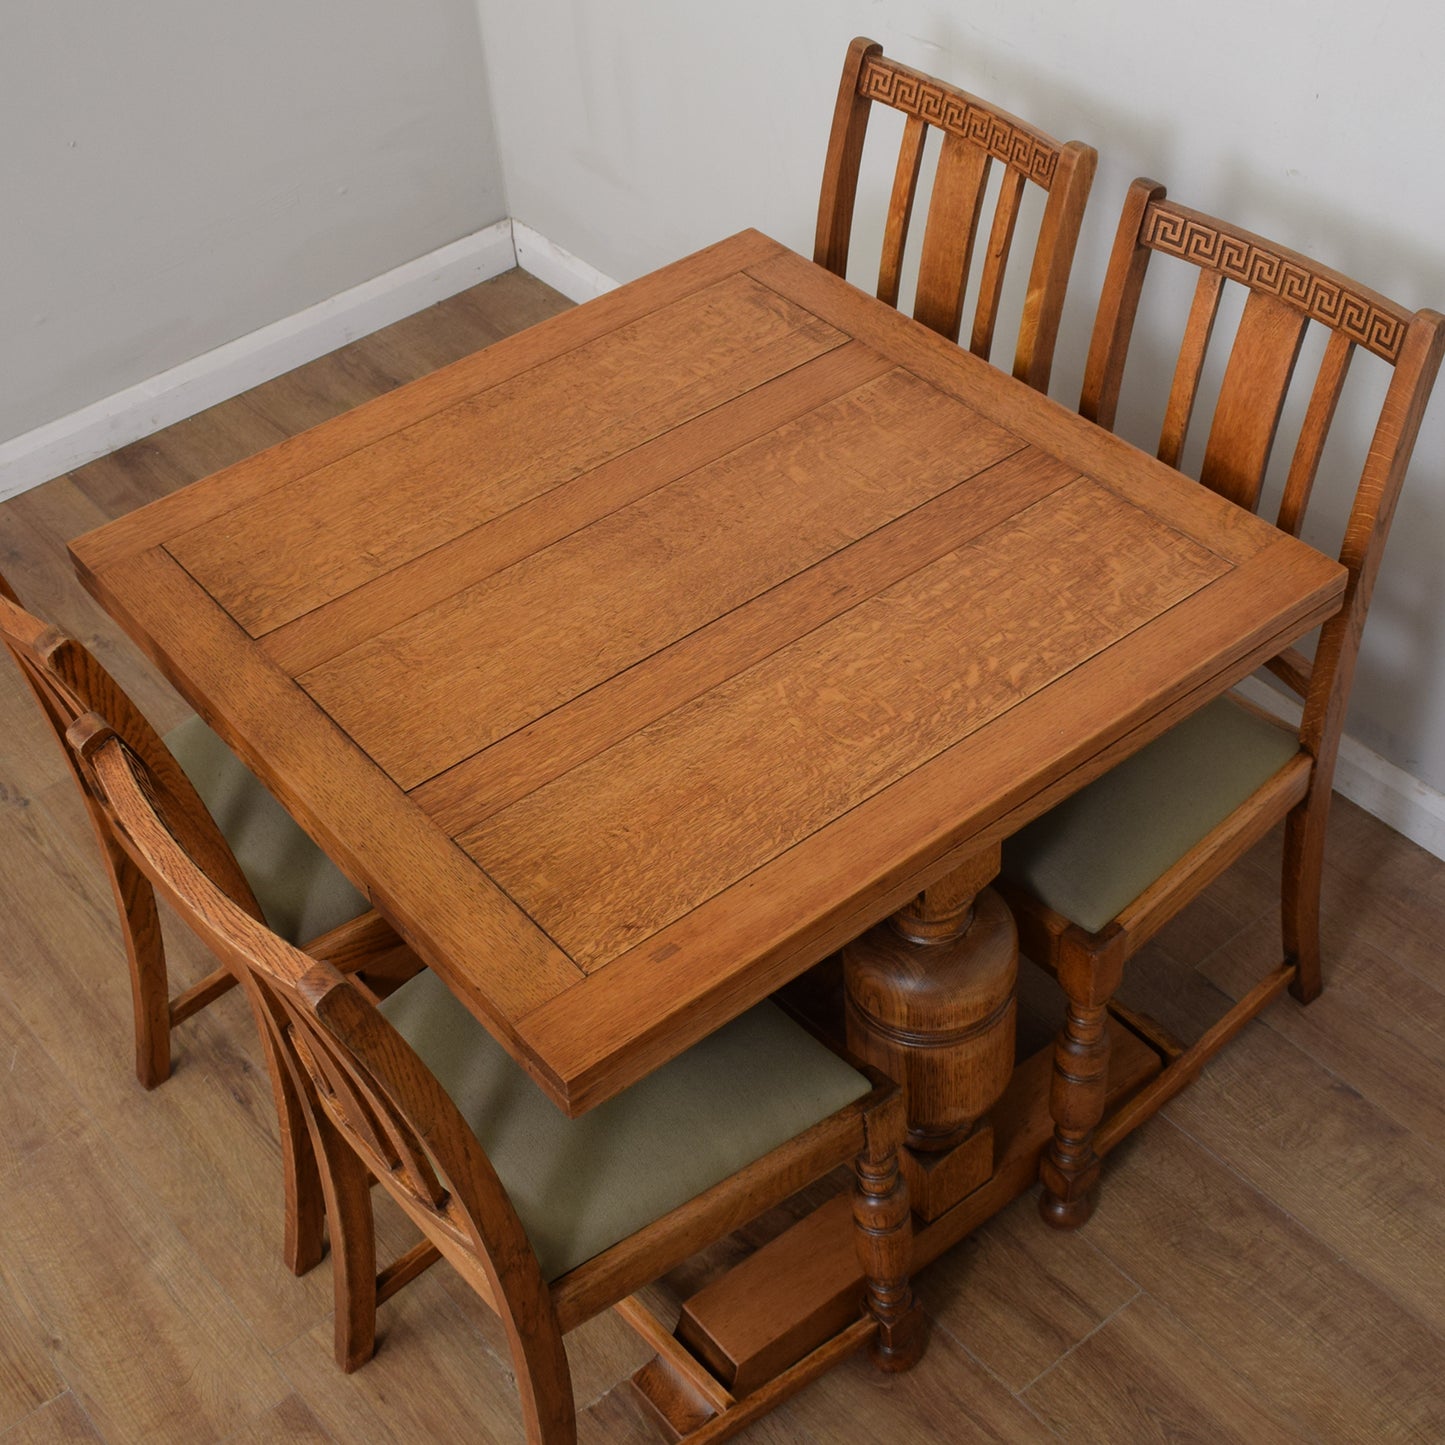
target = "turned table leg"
x: 1089, y: 974
x: 931, y: 1002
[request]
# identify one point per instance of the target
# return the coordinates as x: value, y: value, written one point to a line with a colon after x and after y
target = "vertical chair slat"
x: 975, y: 134
x: 845, y: 154
x: 1315, y: 428
x: 900, y: 208
x: 1202, y: 311
x: 1251, y: 398
x: 948, y: 238
x: 1053, y: 260
x: 1118, y: 306
x: 1000, y: 240
x: 1418, y: 363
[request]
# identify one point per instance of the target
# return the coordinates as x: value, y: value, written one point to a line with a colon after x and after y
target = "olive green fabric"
x: 580, y: 1185
x: 300, y: 890
x: 1096, y: 852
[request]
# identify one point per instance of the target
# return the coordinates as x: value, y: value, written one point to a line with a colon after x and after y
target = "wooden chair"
x: 975, y: 134
x: 551, y: 1220
x: 266, y: 861
x: 1098, y: 876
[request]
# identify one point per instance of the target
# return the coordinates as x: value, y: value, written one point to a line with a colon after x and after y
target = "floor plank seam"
x: 1082, y: 1340
x: 1325, y: 1247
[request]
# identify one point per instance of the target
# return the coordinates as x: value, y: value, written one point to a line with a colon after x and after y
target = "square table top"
x: 635, y: 663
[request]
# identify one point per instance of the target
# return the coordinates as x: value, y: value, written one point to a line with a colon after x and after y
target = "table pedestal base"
x: 805, y: 1285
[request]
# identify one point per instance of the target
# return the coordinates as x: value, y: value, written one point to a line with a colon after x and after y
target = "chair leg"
x: 304, y: 1219
x: 1089, y: 970
x: 146, y: 956
x: 884, y: 1236
x: 1304, y: 857
x: 305, y: 1203
x: 346, y: 1184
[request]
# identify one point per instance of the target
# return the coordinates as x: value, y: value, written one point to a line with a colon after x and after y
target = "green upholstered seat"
x: 580, y: 1185
x: 300, y: 890
x: 1096, y: 852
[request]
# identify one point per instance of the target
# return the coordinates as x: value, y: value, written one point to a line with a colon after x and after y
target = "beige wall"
x: 634, y: 132
x: 174, y: 175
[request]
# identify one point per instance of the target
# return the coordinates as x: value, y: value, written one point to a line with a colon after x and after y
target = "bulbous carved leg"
x: 930, y: 1002
x: 884, y: 1236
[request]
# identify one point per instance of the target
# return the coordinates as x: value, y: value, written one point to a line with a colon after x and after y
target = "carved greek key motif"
x: 1321, y: 298
x: 951, y: 110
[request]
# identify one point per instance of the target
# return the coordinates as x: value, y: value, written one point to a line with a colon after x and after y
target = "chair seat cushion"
x: 300, y: 890
x: 1093, y: 854
x: 580, y: 1185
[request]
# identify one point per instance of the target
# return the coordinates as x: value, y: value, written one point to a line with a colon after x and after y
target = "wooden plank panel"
x: 454, y: 679
x: 403, y: 592
x: 839, y: 881
x: 320, y: 447
x: 608, y: 854
x: 486, y: 949
x: 463, y: 797
x: 1182, y: 504
x: 276, y: 558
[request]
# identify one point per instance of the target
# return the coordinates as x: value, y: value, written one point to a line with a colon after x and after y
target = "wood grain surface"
x: 632, y: 666
x: 1131, y: 1329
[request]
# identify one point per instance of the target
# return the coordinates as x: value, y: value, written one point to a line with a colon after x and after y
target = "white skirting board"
x: 560, y: 269
x: 1388, y: 793
x: 159, y: 401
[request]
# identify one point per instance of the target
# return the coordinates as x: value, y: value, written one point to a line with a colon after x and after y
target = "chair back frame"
x: 68, y: 682
x: 1287, y: 291
x: 975, y: 135
x: 375, y: 1111
x: 378, y: 1102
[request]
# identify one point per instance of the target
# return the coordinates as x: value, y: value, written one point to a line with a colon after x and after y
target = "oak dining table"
x: 635, y: 664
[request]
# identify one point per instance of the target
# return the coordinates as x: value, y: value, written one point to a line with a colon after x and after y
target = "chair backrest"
x: 1286, y: 292
x: 381, y: 1100
x: 68, y: 681
x: 975, y: 135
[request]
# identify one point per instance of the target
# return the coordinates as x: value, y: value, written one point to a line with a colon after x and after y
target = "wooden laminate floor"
x: 1267, y: 1262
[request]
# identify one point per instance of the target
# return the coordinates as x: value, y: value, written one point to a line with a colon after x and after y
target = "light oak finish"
x: 976, y: 136
x: 520, y: 737
x: 719, y: 787
x: 1027, y: 1325
x: 67, y: 682
x: 1285, y: 293
x: 377, y: 1115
